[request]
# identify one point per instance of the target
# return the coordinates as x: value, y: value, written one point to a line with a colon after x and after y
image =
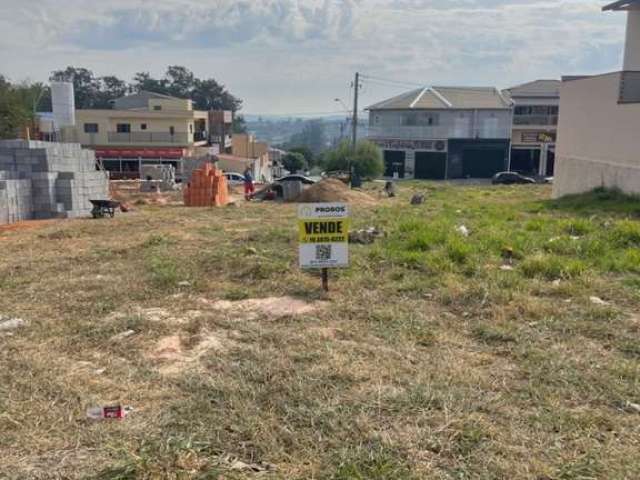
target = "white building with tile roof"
x: 443, y: 132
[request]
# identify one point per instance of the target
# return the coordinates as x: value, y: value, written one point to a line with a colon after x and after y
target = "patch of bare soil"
x: 271, y: 307
x: 26, y: 225
x: 161, y: 315
x: 128, y: 192
x: 333, y: 190
x: 172, y: 356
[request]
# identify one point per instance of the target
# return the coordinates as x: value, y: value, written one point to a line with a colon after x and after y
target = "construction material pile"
x: 333, y: 190
x: 41, y: 180
x: 207, y: 188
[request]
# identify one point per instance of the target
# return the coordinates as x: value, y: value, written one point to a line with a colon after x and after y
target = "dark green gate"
x: 482, y: 162
x: 431, y: 165
x: 394, y: 162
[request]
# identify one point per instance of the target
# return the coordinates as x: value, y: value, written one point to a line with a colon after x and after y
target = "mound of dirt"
x: 333, y: 190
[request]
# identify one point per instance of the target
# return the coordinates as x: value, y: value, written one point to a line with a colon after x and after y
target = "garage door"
x: 394, y: 162
x: 431, y: 165
x: 482, y: 162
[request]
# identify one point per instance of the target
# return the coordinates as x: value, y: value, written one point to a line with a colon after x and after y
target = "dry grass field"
x: 513, y: 353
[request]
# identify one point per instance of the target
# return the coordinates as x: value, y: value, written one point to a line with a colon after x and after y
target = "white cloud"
x: 297, y: 55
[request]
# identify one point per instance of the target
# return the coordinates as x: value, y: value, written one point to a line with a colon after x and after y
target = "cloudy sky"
x: 296, y: 56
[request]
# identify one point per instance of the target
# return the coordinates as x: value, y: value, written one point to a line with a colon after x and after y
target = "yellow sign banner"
x: 323, y: 230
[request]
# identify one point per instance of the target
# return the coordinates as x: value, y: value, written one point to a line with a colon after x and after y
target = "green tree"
x: 293, y: 162
x: 207, y: 94
x: 144, y: 81
x: 305, y: 152
x: 180, y: 81
x: 366, y: 160
x: 17, y: 103
x: 109, y: 89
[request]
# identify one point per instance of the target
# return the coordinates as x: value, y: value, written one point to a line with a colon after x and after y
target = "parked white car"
x: 234, y: 178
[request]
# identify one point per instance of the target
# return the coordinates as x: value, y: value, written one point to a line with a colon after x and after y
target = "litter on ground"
x: 7, y: 324
x: 462, y: 230
x: 598, y: 301
x: 365, y: 236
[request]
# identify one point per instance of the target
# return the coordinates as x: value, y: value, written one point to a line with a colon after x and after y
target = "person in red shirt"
x: 249, y: 188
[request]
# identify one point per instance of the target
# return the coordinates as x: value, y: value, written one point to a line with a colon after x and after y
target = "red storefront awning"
x: 170, y: 153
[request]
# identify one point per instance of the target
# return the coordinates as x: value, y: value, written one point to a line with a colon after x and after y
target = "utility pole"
x: 356, y: 87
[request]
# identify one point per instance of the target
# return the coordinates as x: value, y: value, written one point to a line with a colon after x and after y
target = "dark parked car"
x: 296, y: 178
x: 511, y: 178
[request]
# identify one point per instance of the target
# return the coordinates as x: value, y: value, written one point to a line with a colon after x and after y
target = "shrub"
x: 366, y: 161
x: 626, y: 234
x: 294, y: 162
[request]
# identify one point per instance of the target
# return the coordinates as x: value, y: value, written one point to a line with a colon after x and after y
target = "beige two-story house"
x: 147, y: 127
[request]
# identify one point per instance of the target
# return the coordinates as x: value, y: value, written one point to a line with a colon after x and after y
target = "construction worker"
x: 249, y: 189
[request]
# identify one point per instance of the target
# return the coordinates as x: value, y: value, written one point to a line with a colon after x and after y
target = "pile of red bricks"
x: 207, y: 188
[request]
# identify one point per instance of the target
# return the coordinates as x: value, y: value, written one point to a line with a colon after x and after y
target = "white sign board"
x: 323, y: 235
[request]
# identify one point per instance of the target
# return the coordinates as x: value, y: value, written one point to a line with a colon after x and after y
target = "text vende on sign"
x: 324, y: 235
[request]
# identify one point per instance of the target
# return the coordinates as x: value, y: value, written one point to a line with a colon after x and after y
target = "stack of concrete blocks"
x: 15, y: 199
x: 157, y: 178
x: 59, y: 180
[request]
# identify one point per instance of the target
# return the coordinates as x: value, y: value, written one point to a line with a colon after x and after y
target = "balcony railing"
x: 149, y: 137
x: 539, y: 120
x: 437, y: 132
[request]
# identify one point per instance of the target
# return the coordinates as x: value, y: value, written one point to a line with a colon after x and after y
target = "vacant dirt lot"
x: 510, y: 353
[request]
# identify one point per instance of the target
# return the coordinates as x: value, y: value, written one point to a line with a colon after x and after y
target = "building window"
x: 172, y: 130
x: 90, y: 128
x: 143, y: 126
x: 429, y: 119
x: 191, y: 128
x: 423, y: 119
x: 410, y: 119
x: 123, y: 128
x: 157, y: 107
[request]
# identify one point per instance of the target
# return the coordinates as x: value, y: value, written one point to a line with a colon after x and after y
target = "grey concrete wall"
x: 579, y: 175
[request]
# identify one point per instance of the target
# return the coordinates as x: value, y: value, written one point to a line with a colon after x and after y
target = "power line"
x: 376, y: 79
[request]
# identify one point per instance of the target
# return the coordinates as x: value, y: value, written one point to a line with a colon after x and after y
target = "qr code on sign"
x: 323, y: 253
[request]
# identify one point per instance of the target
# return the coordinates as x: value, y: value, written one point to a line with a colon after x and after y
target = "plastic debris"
x: 632, y: 407
x: 123, y: 335
x: 109, y: 412
x: 365, y: 236
x: 506, y: 268
x: 11, y: 323
x: 184, y: 284
x: 598, y: 301
x: 464, y: 231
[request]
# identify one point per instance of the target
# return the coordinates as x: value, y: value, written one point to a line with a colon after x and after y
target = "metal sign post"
x: 325, y: 279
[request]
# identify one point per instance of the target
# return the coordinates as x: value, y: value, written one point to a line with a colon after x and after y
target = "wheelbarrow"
x: 102, y: 208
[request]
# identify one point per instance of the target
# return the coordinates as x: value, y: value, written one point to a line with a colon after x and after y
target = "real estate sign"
x: 324, y: 235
